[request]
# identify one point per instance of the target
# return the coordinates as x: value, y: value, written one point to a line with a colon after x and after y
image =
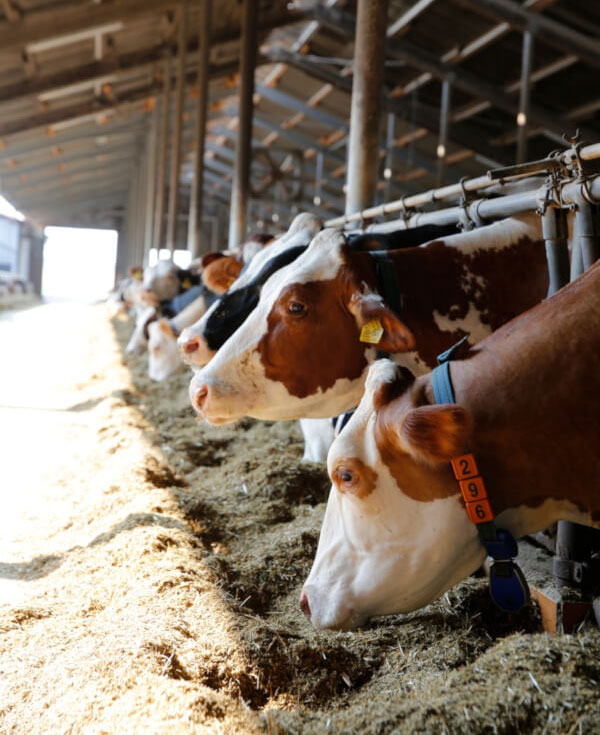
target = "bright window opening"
x: 79, y: 264
x: 182, y: 258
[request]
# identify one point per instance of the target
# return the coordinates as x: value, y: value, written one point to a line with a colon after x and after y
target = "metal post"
x: 389, y: 155
x: 159, y: 209
x: 318, y: 179
x: 523, y: 115
x: 442, y: 149
x: 176, y: 148
x: 554, y: 228
x: 195, y: 239
x: 151, y: 156
x: 363, y: 143
x: 243, y: 148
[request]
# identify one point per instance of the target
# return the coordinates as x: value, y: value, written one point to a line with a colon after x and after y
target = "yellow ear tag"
x: 138, y: 276
x: 372, y: 332
x: 186, y: 284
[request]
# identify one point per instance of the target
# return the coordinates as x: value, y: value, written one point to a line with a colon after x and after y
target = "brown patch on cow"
x: 310, y: 349
x: 415, y: 479
x: 220, y: 274
x: 209, y: 258
x: 352, y: 475
x: 164, y: 326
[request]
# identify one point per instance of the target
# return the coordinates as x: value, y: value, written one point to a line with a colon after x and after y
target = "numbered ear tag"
x: 186, y: 284
x: 372, y: 332
x: 464, y: 467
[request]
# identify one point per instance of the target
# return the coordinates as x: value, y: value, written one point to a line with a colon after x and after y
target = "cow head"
x: 395, y: 534
x: 298, y: 353
x: 163, y: 358
x: 161, y: 279
x: 200, y: 342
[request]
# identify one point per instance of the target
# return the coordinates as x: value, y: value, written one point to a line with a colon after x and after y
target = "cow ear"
x: 209, y: 258
x: 220, y: 274
x: 370, y: 308
x: 435, y: 434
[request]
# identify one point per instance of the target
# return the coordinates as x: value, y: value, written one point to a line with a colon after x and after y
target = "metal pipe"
x: 442, y: 148
x: 159, y: 207
x: 176, y: 152
x: 479, y: 183
x: 243, y: 149
x: 525, y: 96
x: 195, y: 239
x: 389, y: 153
x: 363, y: 144
x: 554, y: 230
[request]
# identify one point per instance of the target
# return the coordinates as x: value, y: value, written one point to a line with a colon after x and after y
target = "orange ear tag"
x: 464, y: 466
x: 372, y: 332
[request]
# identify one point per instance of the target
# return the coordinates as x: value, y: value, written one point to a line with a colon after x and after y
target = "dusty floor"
x: 150, y: 568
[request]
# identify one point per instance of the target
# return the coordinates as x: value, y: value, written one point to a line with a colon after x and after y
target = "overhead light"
x: 440, y: 151
x: 275, y: 217
x: 67, y: 38
x: 316, y: 201
x: 521, y: 119
x: 387, y: 173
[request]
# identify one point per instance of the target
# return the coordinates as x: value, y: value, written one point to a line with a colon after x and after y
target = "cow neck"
x: 388, y: 285
x: 508, y: 587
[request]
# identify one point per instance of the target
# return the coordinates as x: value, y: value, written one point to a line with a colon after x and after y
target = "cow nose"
x: 304, y: 606
x: 198, y: 395
x: 191, y: 345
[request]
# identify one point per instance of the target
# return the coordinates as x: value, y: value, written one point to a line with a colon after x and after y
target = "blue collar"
x: 508, y: 587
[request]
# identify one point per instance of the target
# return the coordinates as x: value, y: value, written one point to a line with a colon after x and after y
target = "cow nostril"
x: 191, y: 345
x: 304, y: 606
x: 200, y: 397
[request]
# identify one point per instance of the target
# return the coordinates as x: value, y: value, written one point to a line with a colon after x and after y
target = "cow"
x: 163, y: 356
x: 299, y: 353
x: 396, y: 533
x: 200, y: 342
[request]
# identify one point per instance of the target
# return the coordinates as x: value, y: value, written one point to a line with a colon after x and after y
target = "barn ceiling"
x: 80, y: 82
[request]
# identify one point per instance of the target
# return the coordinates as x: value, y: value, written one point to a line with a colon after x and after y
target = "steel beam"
x: 365, y: 111
x: 195, y: 219
x: 243, y: 152
x: 152, y: 158
x: 551, y: 31
x: 293, y: 103
x: 442, y: 148
x: 176, y: 152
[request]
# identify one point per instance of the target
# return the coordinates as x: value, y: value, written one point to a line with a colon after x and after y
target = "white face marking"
x: 163, y: 358
x: 385, y: 552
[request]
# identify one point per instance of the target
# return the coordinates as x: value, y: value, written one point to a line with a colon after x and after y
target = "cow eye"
x: 345, y: 478
x: 296, y: 308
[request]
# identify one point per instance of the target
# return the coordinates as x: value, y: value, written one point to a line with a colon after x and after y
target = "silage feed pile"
x: 159, y: 594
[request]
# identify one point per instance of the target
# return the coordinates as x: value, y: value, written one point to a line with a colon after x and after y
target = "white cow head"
x: 163, y: 357
x: 395, y: 535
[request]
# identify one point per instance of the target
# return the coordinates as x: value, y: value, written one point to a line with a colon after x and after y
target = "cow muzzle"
x: 193, y: 349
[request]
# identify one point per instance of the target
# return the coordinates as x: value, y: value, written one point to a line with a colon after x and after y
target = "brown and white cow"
x: 396, y: 534
x: 298, y: 354
x: 220, y: 274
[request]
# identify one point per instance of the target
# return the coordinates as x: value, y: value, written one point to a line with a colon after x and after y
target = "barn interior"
x: 151, y: 565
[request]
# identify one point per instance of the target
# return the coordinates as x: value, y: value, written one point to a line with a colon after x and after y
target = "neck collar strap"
x: 508, y: 587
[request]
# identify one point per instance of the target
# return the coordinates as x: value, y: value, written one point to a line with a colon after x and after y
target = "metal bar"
x: 389, y: 154
x: 195, y: 219
x: 293, y: 103
x: 176, y: 152
x: 587, y: 153
x: 318, y: 179
x: 408, y: 16
x: 525, y: 96
x: 161, y: 177
x: 554, y: 229
x: 365, y: 110
x: 442, y: 148
x: 243, y: 150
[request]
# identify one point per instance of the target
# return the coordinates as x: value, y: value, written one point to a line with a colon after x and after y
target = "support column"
x: 522, y: 117
x: 159, y: 207
x: 363, y: 144
x: 442, y: 149
x: 243, y: 147
x: 151, y: 155
x: 554, y: 228
x: 389, y: 156
x: 195, y: 234
x: 176, y: 148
